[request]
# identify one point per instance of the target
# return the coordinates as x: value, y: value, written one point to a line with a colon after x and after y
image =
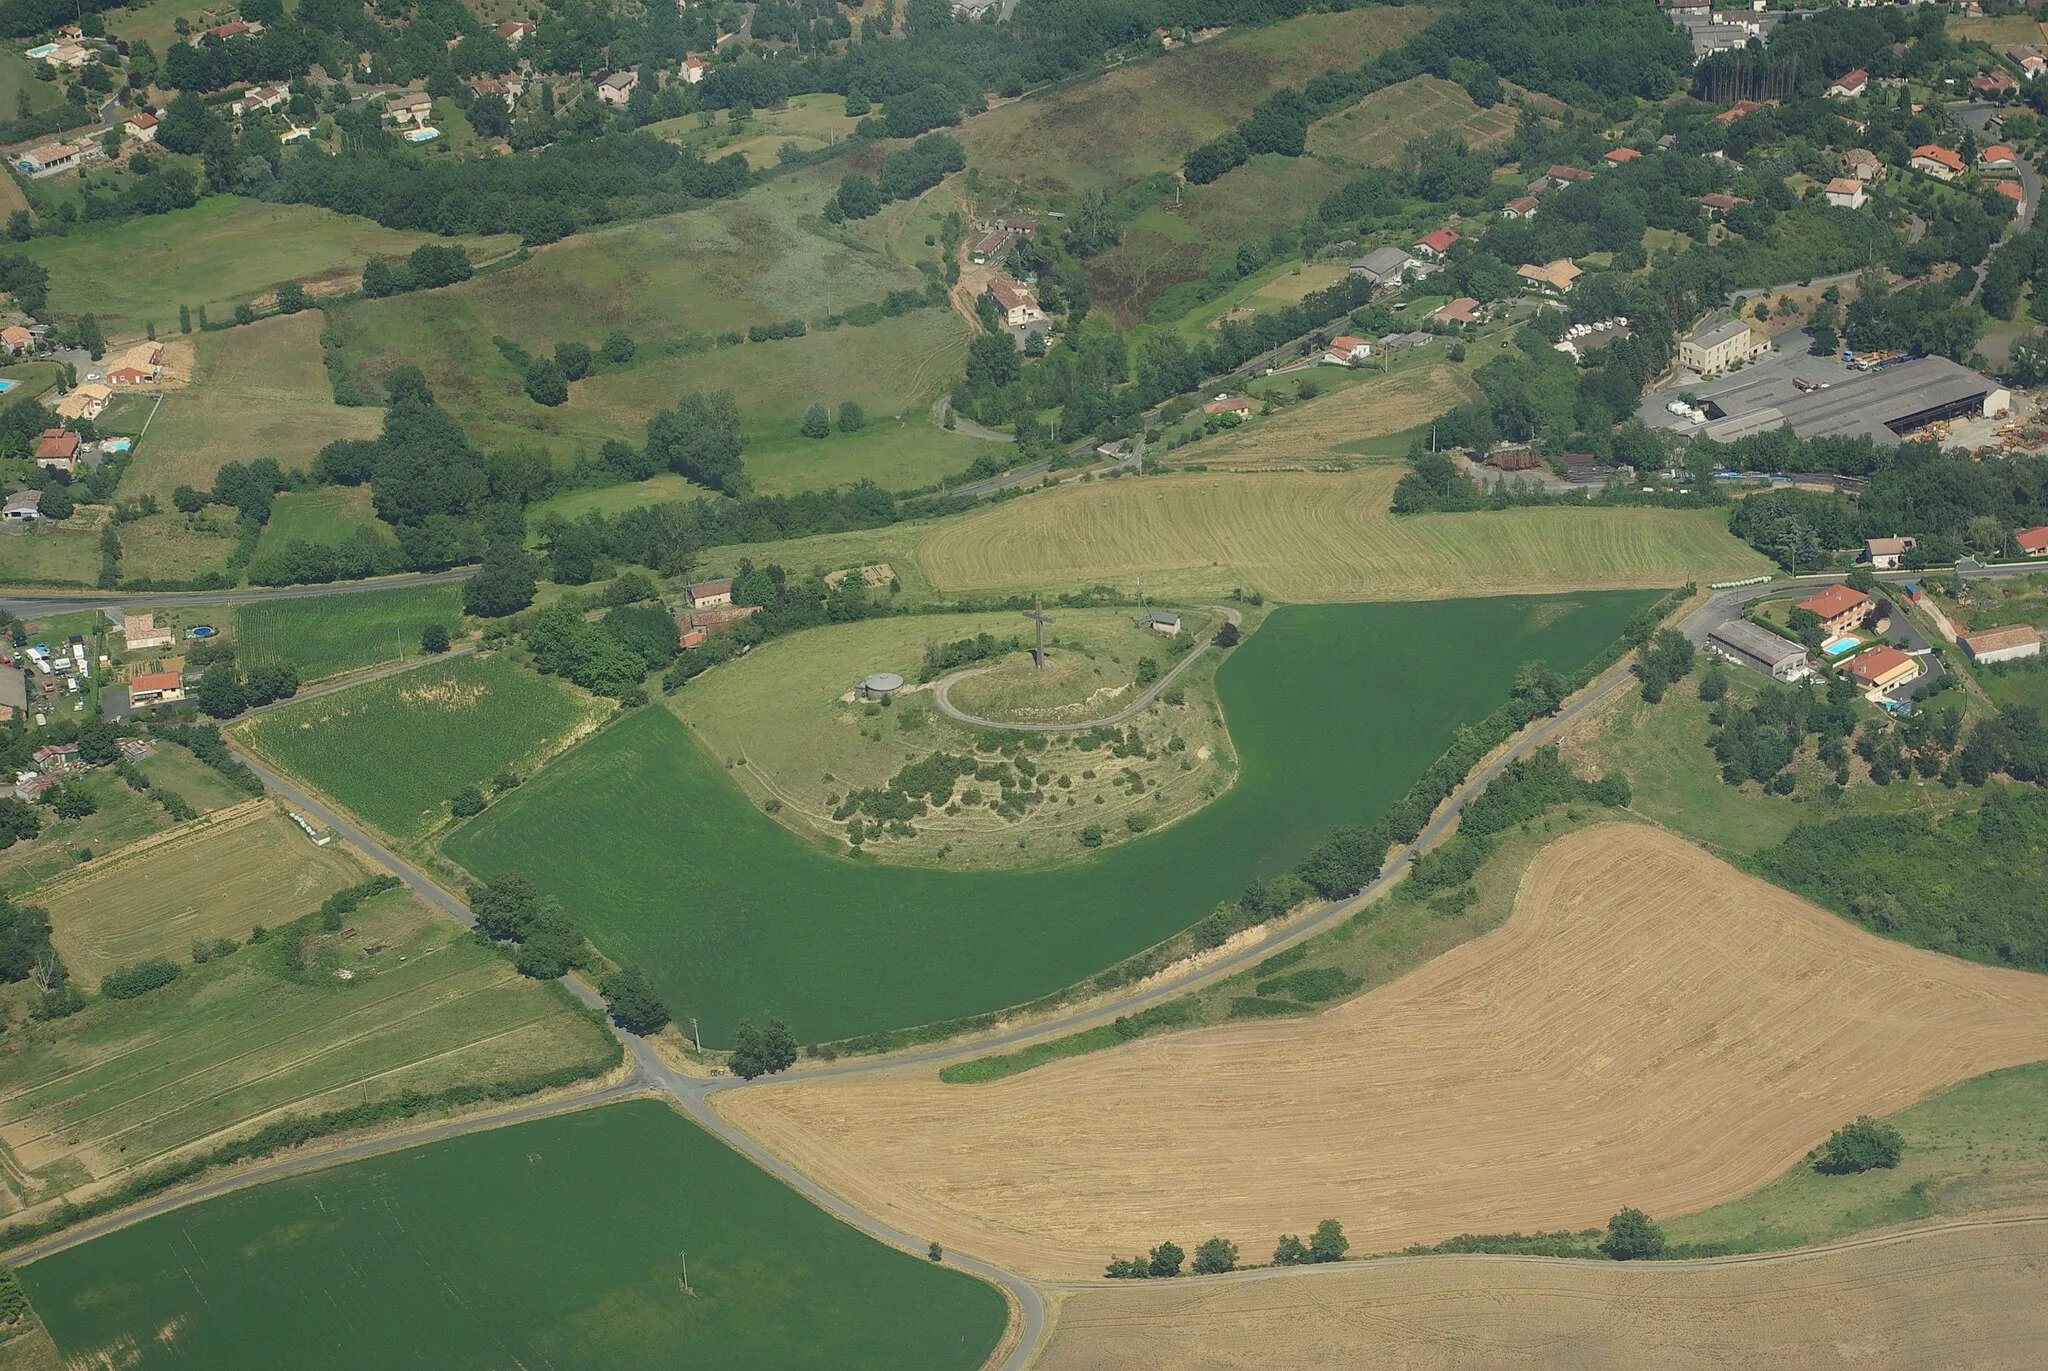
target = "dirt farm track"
x: 1968, y: 1296
x: 1650, y: 1027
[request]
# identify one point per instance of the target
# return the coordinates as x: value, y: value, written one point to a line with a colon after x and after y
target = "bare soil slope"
x: 1963, y: 1297
x: 1650, y: 1027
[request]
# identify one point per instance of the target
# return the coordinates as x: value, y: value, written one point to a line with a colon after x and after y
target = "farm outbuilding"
x: 1165, y: 621
x: 1747, y: 645
x: 2004, y: 644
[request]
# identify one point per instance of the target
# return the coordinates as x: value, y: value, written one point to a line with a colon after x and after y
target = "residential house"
x: 2033, y: 541
x: 1463, y: 310
x: 1718, y: 205
x: 1863, y: 164
x: 2002, y: 644
x: 1435, y: 243
x: 1521, y: 207
x: 1385, y: 266
x: 1229, y: 404
x: 412, y: 107
x: 72, y: 55
x: 1845, y: 192
x: 57, y: 450
x: 2011, y: 191
x: 256, y: 101
x: 1554, y: 278
x: 141, y: 127
x: 23, y: 507
x: 1883, y: 667
x: 1886, y: 553
x: 1718, y: 344
x: 1840, y: 607
x: 144, y: 359
x: 1562, y: 176
x: 695, y: 69
x: 16, y: 340
x: 1667, y: 141
x: 142, y: 631
x: 1937, y: 161
x: 2029, y: 58
x: 1014, y: 301
x: 234, y: 28
x: 991, y: 246
x: 155, y: 687
x: 1344, y: 350
x: 708, y: 594
x: 486, y: 85
x: 1165, y: 621
x: 88, y: 401
x: 617, y: 88
x: 1997, y: 157
x: 1850, y: 85
x: 41, y: 161
x: 1737, y: 110
x: 1621, y: 156
x: 1994, y: 83
x: 515, y: 31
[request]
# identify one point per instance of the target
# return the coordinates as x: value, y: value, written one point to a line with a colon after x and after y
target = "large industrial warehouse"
x: 1884, y: 405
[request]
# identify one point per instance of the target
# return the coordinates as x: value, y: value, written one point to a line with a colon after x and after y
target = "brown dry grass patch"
x: 1954, y: 1298
x: 1650, y: 1027
x: 1370, y: 409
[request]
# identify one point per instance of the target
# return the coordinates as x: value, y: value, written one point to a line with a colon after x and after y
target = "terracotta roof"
x: 1849, y: 80
x: 1522, y: 204
x: 56, y: 442
x: 1619, y: 155
x: 142, y: 120
x: 2032, y: 539
x: 1935, y: 152
x: 1833, y: 600
x: 1458, y: 311
x: 1724, y: 203
x: 1878, y: 662
x: 1437, y: 240
x: 1560, y: 273
x: 1845, y: 185
x: 144, y: 682
x: 1011, y: 294
x: 1345, y: 343
x: 1890, y: 547
x: 1997, y: 152
x: 2011, y: 191
x: 1564, y: 173
x: 1998, y: 639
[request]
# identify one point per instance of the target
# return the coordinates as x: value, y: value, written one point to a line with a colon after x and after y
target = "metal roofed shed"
x: 1883, y: 405
x: 1747, y: 645
x: 880, y: 686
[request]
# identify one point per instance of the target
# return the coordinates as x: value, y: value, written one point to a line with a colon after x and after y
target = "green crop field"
x: 326, y: 635
x: 1335, y: 710
x: 329, y: 515
x: 552, y: 1244
x: 222, y: 251
x: 121, y: 1084
x: 395, y: 750
x: 256, y: 391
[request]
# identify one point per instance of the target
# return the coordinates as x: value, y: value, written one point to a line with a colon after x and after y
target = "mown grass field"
x: 222, y: 251
x: 809, y: 121
x: 1327, y: 426
x: 172, y: 546
x: 394, y: 751
x: 327, y: 635
x: 252, y: 866
x: 672, y: 870
x: 554, y: 1243
x: 234, y: 1042
x: 1304, y: 536
x: 330, y: 515
x: 65, y: 552
x: 255, y: 391
x: 1374, y: 131
x: 123, y: 817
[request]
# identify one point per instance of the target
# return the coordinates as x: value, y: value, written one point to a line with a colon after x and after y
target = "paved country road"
x: 692, y: 1094
x: 23, y: 601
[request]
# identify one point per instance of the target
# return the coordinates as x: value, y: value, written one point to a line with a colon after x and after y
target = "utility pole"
x: 694, y: 1034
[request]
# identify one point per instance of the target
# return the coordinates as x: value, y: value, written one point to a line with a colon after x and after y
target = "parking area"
x: 1787, y: 364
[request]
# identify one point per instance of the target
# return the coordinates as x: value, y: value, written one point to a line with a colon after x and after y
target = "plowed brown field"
x: 1650, y: 1027
x: 1966, y: 1297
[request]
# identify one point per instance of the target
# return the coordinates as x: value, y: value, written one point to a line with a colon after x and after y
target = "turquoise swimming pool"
x: 1835, y: 647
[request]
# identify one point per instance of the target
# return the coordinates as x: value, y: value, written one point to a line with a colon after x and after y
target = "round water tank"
x: 881, y: 684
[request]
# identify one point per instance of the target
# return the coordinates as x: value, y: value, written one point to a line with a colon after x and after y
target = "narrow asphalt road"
x: 23, y: 601
x: 942, y: 697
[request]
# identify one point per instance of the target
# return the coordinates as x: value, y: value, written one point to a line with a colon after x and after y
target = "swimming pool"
x: 44, y: 51
x: 422, y: 135
x: 7, y: 385
x: 1835, y: 647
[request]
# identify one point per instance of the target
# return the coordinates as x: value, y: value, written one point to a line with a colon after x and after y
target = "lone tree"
x: 1864, y: 1145
x: 1215, y: 1256
x: 1631, y: 1235
x: 761, y: 1051
x: 1226, y: 636
x: 817, y: 423
x: 1328, y: 1244
x: 434, y: 638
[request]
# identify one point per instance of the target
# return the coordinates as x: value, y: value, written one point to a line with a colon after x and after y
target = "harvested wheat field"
x: 1650, y: 1027
x: 216, y: 878
x: 1304, y: 536
x: 1376, y: 406
x: 1960, y: 1297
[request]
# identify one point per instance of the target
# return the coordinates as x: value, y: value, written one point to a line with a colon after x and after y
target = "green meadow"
x: 394, y: 751
x: 1335, y: 711
x: 554, y: 1244
x: 331, y: 634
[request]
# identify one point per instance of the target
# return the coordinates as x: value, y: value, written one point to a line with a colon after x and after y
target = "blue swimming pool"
x: 1835, y: 647
x: 7, y: 385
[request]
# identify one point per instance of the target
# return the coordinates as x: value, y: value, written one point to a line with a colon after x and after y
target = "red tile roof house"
x: 1937, y: 161
x: 16, y: 339
x: 1997, y: 157
x: 1435, y: 243
x: 514, y: 31
x: 57, y: 449
x: 1521, y: 207
x: 1458, y: 311
x: 1345, y: 349
x: 1563, y: 176
x: 1840, y: 607
x: 1620, y: 155
x: 1018, y: 305
x: 2033, y: 541
x: 694, y: 69
x: 1226, y: 404
x: 1849, y: 85
x: 706, y: 594
x: 2011, y: 191
x: 1717, y: 203
x: 1996, y: 83
x: 147, y: 686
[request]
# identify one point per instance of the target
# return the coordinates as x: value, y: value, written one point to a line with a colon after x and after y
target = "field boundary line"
x: 224, y: 820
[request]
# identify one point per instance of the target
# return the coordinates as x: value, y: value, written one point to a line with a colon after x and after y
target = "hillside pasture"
x: 1359, y: 407
x: 327, y: 635
x: 330, y: 515
x: 54, y: 552
x: 238, y: 1041
x: 393, y: 751
x: 223, y: 251
x: 1960, y: 1298
x: 673, y: 869
x: 1303, y: 536
x: 256, y: 391
x: 1374, y: 131
x: 1651, y: 1027
x: 441, y: 1244
x: 212, y: 879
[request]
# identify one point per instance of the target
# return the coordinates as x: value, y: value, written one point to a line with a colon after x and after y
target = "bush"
x: 817, y: 423
x: 434, y: 638
x: 70, y: 801
x: 1864, y: 1145
x: 852, y: 417
x: 1631, y: 1235
x: 206, y: 950
x: 127, y: 982
x: 1227, y: 636
x: 1091, y: 836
